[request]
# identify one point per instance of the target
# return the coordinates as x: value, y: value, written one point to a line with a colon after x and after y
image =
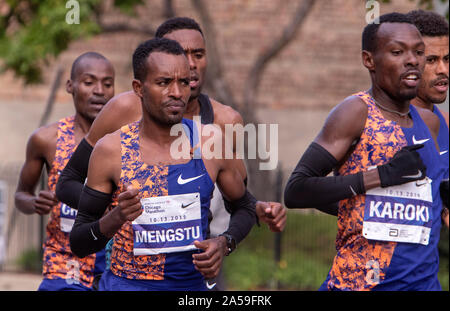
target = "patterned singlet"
x: 442, y: 139
x: 58, y: 261
x: 167, y: 268
x: 388, y: 262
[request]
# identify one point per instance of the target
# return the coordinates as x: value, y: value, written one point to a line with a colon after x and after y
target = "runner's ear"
x: 137, y: 87
x: 367, y: 60
x: 69, y: 87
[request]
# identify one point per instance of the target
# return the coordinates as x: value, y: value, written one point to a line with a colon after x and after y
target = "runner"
x: 91, y: 84
x: 155, y: 245
x: 126, y: 108
x: 433, y: 86
x: 386, y: 159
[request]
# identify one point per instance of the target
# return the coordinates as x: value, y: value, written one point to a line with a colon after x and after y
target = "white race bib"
x: 67, y: 217
x: 400, y: 213
x: 168, y: 224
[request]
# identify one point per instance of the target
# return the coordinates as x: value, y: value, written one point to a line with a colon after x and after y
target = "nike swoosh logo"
x: 210, y: 286
x: 92, y: 232
x: 182, y: 181
x: 418, y: 175
x: 420, y: 141
x: 184, y: 206
x: 443, y: 152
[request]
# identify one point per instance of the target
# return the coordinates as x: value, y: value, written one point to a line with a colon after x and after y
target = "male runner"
x: 433, y: 86
x: 91, y: 84
x: 155, y: 244
x: 388, y: 171
x: 126, y: 108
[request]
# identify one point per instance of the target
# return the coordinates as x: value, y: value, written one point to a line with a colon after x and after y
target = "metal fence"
x: 298, y: 258
x: 19, y: 232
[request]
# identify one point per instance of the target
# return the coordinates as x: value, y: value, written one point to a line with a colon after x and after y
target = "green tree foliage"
x: 32, y: 32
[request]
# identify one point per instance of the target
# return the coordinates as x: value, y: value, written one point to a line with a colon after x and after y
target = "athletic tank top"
x: 206, y: 109
x: 385, y: 263
x: 58, y: 261
x: 443, y: 140
x: 217, y: 204
x: 150, y: 250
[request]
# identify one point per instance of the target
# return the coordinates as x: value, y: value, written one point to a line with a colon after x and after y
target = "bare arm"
x: 342, y: 128
x: 38, y: 147
x: 103, y: 176
x: 92, y: 228
x: 122, y: 109
x: 308, y: 185
x: 271, y: 213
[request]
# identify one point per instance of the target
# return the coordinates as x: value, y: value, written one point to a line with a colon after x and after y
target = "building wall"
x: 317, y: 70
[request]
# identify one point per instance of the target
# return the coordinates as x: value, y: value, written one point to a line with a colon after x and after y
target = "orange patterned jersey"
x: 364, y: 263
x: 158, y: 249
x: 58, y: 261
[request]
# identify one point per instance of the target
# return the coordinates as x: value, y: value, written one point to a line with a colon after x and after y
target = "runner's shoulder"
x: 44, y: 137
x: 431, y: 120
x: 109, y: 143
x: 224, y: 114
x: 124, y: 102
x: 351, y: 109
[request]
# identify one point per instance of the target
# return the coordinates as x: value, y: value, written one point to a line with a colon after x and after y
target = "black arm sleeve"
x: 243, y: 216
x: 85, y: 237
x: 330, y: 209
x: 308, y: 186
x: 71, y: 181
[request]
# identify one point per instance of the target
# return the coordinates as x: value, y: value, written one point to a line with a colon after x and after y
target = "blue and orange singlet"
x: 165, y: 270
x: 58, y: 262
x: 443, y: 139
x: 371, y: 264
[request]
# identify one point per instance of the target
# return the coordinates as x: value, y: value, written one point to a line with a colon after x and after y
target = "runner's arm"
x: 92, y: 229
x: 120, y: 110
x: 25, y: 199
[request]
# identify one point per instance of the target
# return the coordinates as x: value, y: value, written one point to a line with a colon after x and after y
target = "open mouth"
x: 194, y: 80
x: 441, y: 85
x: 411, y: 79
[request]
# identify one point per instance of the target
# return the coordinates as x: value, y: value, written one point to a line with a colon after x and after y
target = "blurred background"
x: 282, y: 62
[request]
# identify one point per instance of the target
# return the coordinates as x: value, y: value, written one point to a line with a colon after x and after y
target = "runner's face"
x: 399, y: 60
x: 434, y: 84
x: 165, y: 91
x: 92, y: 86
x: 194, y: 45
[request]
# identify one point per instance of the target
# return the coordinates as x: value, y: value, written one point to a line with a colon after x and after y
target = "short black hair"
x: 430, y: 24
x: 78, y: 60
x: 177, y: 23
x: 369, y: 35
x: 142, y: 52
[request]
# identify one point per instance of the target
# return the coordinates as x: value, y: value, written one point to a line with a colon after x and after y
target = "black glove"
x: 444, y: 192
x: 405, y: 166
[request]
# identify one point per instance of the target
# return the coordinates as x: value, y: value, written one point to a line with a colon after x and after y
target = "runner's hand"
x: 209, y: 262
x: 405, y: 166
x: 273, y: 214
x: 129, y: 204
x: 44, y: 202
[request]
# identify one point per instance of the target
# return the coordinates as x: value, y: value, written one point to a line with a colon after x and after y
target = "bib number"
x: 168, y: 224
x: 67, y: 217
x: 399, y: 213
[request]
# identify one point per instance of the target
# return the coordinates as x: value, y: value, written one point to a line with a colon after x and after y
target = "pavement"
x: 19, y: 281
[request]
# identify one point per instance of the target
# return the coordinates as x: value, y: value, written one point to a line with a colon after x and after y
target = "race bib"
x: 400, y: 213
x: 67, y: 217
x: 168, y: 224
